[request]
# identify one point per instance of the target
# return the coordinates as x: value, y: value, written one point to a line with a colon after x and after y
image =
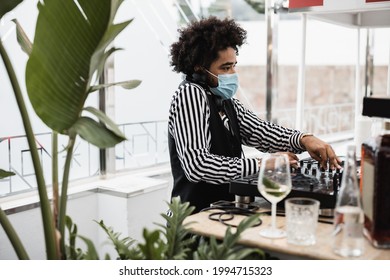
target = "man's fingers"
x: 334, y: 161
x: 294, y: 163
x: 315, y: 156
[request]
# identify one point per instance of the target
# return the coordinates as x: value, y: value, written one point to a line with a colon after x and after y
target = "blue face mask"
x: 227, y: 85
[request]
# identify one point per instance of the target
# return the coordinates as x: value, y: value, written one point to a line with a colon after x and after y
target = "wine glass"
x: 274, y: 184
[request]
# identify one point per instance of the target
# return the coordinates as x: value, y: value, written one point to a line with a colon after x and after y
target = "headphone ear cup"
x: 199, y: 77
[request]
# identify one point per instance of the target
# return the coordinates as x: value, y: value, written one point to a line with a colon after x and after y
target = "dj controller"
x: 308, y: 180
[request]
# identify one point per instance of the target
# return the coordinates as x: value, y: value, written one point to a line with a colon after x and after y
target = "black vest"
x: 223, y: 143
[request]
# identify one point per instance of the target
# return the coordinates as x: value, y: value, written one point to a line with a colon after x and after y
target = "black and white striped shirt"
x: 189, y: 125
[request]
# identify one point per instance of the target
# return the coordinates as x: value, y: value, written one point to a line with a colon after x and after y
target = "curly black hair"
x: 200, y: 42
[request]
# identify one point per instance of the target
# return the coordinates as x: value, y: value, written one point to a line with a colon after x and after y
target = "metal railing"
x: 15, y: 157
x: 321, y: 119
x: 146, y: 146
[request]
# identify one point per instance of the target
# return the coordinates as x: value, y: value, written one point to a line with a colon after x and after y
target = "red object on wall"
x: 368, y: 1
x: 306, y: 3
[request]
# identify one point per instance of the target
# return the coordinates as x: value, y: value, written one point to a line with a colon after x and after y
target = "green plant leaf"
x: 91, y: 253
x: 69, y: 43
x: 177, y: 235
x: 71, y: 251
x: 123, y: 246
x: 228, y: 249
x: 96, y: 133
x: 8, y: 5
x: 130, y: 84
x: 100, y: 54
x: 102, y: 62
x: 75, y: 253
x: 106, y: 121
x: 22, y: 38
x: 5, y: 174
x: 110, y: 34
x: 154, y: 247
x: 126, y: 85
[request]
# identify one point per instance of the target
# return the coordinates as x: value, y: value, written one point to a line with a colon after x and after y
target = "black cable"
x: 227, y: 212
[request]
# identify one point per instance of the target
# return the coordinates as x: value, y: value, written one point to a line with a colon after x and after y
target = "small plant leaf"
x: 5, y: 174
x: 123, y: 246
x: 106, y: 121
x: 91, y: 253
x: 228, y: 249
x: 104, y: 58
x: 110, y: 34
x: 22, y: 38
x: 175, y: 232
x: 154, y: 247
x: 126, y: 85
x: 96, y: 133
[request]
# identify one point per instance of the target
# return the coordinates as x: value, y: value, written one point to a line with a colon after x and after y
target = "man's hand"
x: 292, y: 158
x: 321, y: 151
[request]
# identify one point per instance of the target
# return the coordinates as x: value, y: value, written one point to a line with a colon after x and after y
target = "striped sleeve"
x: 266, y: 136
x: 189, y: 125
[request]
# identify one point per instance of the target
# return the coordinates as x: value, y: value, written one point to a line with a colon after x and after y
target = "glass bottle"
x: 348, y: 239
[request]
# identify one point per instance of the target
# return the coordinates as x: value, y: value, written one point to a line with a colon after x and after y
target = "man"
x: 207, y: 125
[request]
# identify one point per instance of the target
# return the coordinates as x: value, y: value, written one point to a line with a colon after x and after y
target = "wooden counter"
x: 202, y: 225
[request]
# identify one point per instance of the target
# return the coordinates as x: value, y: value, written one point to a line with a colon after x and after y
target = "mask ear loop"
x: 216, y: 76
x: 209, y: 81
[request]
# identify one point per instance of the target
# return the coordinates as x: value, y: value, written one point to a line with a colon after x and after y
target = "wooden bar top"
x: 200, y: 224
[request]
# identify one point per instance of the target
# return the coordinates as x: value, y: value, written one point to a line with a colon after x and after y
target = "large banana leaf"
x: 8, y: 5
x: 69, y: 49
